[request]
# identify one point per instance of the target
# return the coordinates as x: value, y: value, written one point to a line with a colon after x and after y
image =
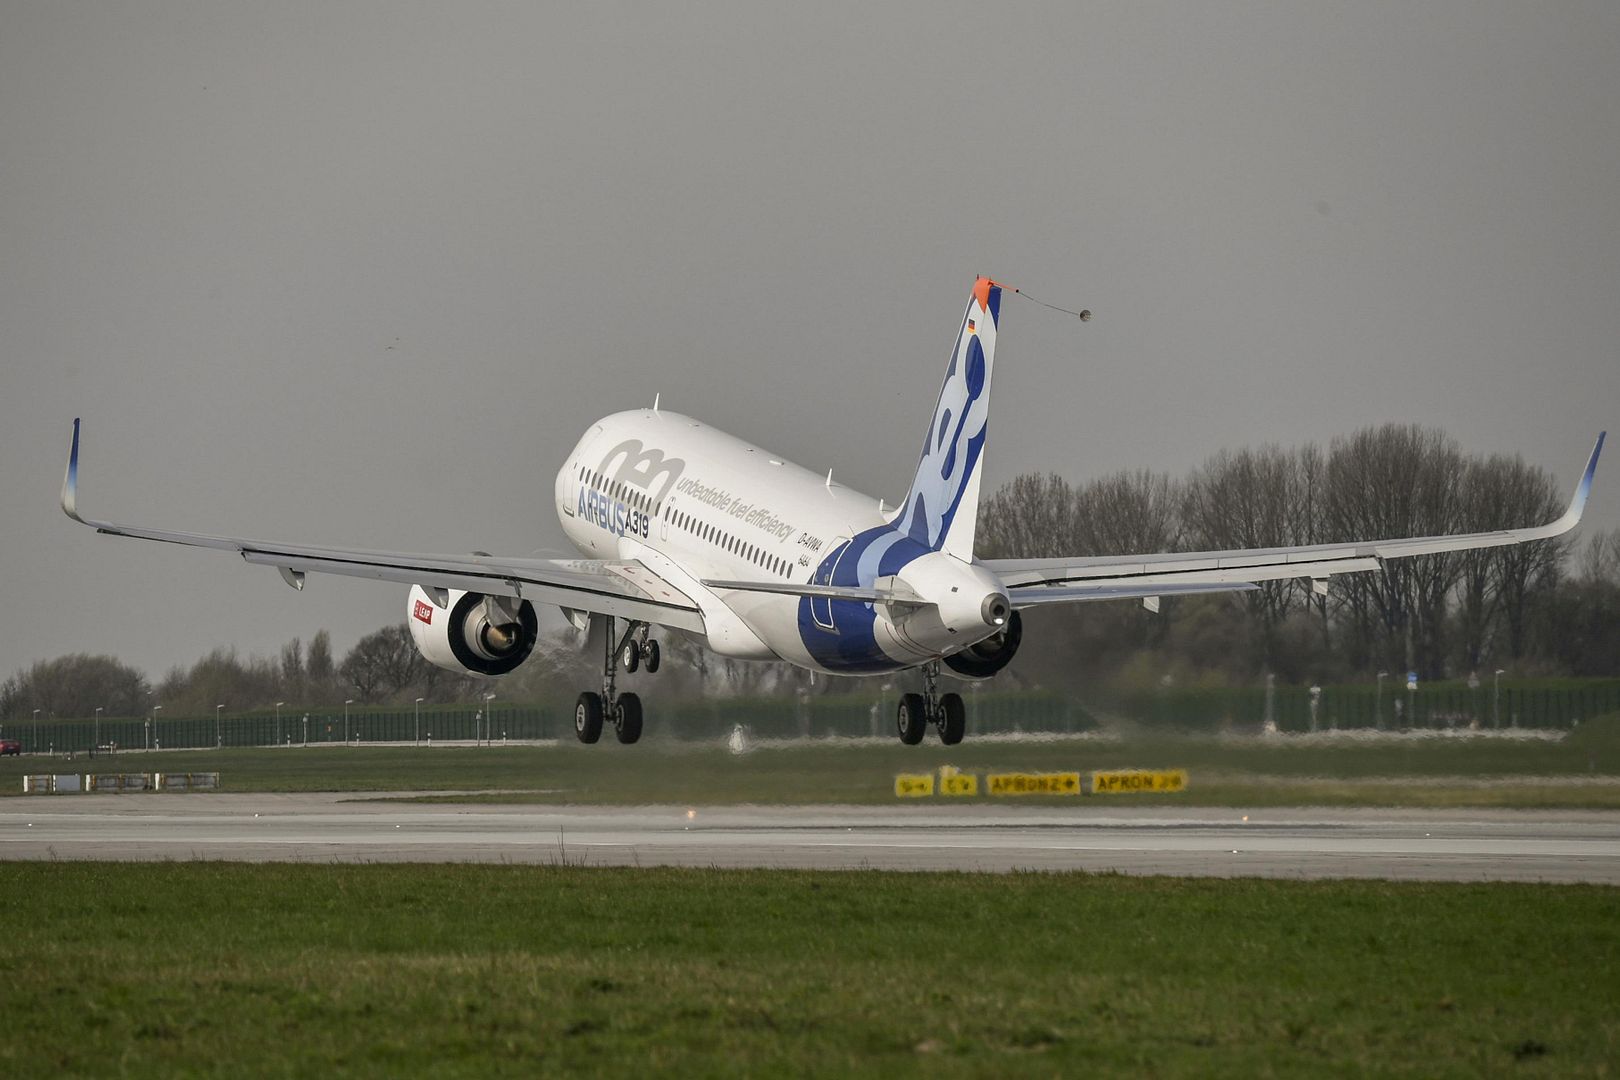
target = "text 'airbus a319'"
x: 690, y: 529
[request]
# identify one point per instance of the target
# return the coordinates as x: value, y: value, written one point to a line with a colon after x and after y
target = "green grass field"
x: 476, y: 970
x: 1582, y: 769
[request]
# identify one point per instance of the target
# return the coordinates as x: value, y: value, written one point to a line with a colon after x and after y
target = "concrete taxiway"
x: 1470, y: 845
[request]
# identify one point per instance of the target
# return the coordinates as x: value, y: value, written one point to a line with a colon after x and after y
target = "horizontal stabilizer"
x: 828, y: 592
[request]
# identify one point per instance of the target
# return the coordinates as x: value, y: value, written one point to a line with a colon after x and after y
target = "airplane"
x: 695, y: 531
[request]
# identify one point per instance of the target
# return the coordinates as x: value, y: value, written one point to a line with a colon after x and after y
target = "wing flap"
x: 830, y: 592
x: 1037, y: 595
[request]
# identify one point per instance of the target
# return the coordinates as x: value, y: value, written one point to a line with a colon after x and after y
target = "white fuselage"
x: 694, y: 504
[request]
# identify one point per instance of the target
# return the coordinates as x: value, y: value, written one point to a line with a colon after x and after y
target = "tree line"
x: 383, y: 667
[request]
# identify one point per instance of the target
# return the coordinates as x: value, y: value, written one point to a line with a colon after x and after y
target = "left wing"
x: 1044, y: 581
x: 609, y: 587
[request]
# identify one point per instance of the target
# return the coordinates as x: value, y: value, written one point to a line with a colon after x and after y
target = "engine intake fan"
x: 984, y: 659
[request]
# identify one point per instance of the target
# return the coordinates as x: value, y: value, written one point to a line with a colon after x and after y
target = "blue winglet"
x: 70, y: 481
x: 1584, y: 489
x: 1577, y: 503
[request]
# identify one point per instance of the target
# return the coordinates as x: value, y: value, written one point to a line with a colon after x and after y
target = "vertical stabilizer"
x: 942, y: 507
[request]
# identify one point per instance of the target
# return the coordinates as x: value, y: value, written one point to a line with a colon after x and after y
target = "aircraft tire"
x: 588, y: 717
x: 627, y: 718
x: 654, y: 656
x: 953, y: 722
x: 911, y: 718
x: 631, y: 657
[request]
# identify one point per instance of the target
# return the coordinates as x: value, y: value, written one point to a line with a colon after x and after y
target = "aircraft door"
x: 826, y: 574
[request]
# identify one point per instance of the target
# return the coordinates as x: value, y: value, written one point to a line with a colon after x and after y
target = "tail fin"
x: 941, y: 509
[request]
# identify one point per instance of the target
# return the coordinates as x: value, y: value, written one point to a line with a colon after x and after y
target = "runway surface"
x: 1476, y: 845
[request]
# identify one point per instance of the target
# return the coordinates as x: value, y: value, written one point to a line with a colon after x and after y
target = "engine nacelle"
x: 989, y: 656
x: 472, y: 633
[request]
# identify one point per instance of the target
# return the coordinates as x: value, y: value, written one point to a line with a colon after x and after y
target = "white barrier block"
x: 196, y: 781
x: 118, y: 782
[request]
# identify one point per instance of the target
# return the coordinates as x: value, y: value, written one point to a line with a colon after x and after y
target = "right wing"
x: 1110, y: 577
x: 626, y: 589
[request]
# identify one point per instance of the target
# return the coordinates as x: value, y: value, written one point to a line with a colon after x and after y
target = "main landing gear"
x: 945, y: 711
x: 633, y: 650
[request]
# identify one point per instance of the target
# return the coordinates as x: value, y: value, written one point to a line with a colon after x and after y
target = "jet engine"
x: 989, y: 656
x: 470, y: 632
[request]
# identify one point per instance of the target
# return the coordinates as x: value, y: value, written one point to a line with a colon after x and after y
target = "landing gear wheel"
x: 953, y: 719
x: 627, y: 718
x: 653, y: 656
x: 588, y: 717
x: 631, y: 657
x: 912, y: 718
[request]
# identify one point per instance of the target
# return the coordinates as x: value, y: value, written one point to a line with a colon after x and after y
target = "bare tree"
x: 293, y: 678
x: 1308, y: 510
x: 1494, y: 584
x: 1126, y: 513
x: 383, y: 663
x: 1579, y: 619
x: 1387, y: 482
x: 1030, y: 517
x: 1600, y: 558
x: 319, y: 670
x: 1249, y: 499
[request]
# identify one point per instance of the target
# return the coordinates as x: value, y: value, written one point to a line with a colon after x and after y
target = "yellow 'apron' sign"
x: 1055, y: 783
x: 914, y: 785
x: 1138, y: 780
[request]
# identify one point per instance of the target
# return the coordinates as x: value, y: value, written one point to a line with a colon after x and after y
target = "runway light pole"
x: 418, y: 721
x: 346, y: 703
x: 219, y: 739
x: 96, y: 736
x: 36, y: 731
x: 279, y: 704
x: 1496, y: 699
x: 489, y: 719
x: 155, y: 737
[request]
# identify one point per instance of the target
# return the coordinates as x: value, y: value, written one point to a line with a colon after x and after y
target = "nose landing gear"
x: 624, y: 710
x: 945, y: 711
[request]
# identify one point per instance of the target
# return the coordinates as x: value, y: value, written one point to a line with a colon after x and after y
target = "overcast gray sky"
x: 362, y: 273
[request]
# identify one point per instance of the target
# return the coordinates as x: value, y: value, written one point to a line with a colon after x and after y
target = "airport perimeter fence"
x: 774, y: 716
x: 1553, y: 704
x: 312, y: 728
x: 1557, y: 704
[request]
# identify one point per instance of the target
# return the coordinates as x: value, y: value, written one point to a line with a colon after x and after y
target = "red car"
x: 10, y: 746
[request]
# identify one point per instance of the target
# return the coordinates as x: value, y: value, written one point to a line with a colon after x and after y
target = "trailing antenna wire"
x: 1084, y: 314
